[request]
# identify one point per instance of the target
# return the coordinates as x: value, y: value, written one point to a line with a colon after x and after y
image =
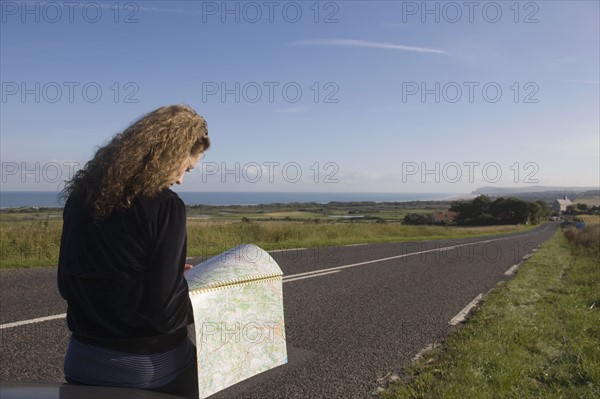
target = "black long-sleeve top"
x: 122, y: 276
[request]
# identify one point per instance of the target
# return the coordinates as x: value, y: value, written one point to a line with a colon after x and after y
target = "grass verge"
x: 207, y: 238
x: 537, y: 336
x: 30, y: 243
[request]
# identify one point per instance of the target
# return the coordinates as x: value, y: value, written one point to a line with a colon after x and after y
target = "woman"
x: 122, y: 258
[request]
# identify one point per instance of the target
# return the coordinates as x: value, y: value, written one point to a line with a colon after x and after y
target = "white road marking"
x: 310, y: 276
x: 283, y: 250
x: 291, y: 276
x: 510, y: 271
x: 300, y: 276
x: 31, y: 321
x: 460, y: 317
x: 397, y: 257
x: 513, y: 268
x: 189, y: 258
x: 426, y: 349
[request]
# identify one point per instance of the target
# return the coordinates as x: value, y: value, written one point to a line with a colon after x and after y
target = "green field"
x: 31, y: 238
x: 313, y: 211
x: 589, y: 219
x: 590, y: 200
x: 207, y: 238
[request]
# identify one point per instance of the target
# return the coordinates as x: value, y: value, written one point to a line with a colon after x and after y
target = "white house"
x: 560, y: 205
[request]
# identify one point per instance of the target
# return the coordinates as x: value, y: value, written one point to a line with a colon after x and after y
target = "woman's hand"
x: 187, y: 267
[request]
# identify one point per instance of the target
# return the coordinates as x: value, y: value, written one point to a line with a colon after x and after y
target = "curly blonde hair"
x: 140, y: 161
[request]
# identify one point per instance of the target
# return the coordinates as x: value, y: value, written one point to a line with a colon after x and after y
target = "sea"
x: 16, y: 199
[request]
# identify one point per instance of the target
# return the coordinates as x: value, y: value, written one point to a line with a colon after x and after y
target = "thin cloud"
x: 365, y: 43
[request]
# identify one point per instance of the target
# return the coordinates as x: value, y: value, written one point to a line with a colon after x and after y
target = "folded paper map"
x: 237, y: 298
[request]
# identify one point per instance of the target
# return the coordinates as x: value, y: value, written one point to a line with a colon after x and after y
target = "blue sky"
x: 381, y: 96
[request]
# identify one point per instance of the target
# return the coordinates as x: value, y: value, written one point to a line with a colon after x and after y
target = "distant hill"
x: 545, y: 193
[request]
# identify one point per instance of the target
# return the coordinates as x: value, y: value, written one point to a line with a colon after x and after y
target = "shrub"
x: 587, y: 238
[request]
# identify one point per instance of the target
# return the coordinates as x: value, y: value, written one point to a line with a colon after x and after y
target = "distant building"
x: 443, y: 216
x: 560, y: 205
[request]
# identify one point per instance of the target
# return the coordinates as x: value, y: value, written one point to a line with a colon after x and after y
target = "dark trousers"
x: 185, y: 385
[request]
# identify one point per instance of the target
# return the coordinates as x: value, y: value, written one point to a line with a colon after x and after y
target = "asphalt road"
x: 349, y: 328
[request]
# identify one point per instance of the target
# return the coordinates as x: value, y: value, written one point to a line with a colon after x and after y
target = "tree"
x: 535, y: 212
x: 475, y: 212
x: 482, y: 211
x: 546, y: 209
x: 571, y: 210
x: 500, y: 210
x: 521, y: 210
x: 416, y: 219
x: 512, y: 210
